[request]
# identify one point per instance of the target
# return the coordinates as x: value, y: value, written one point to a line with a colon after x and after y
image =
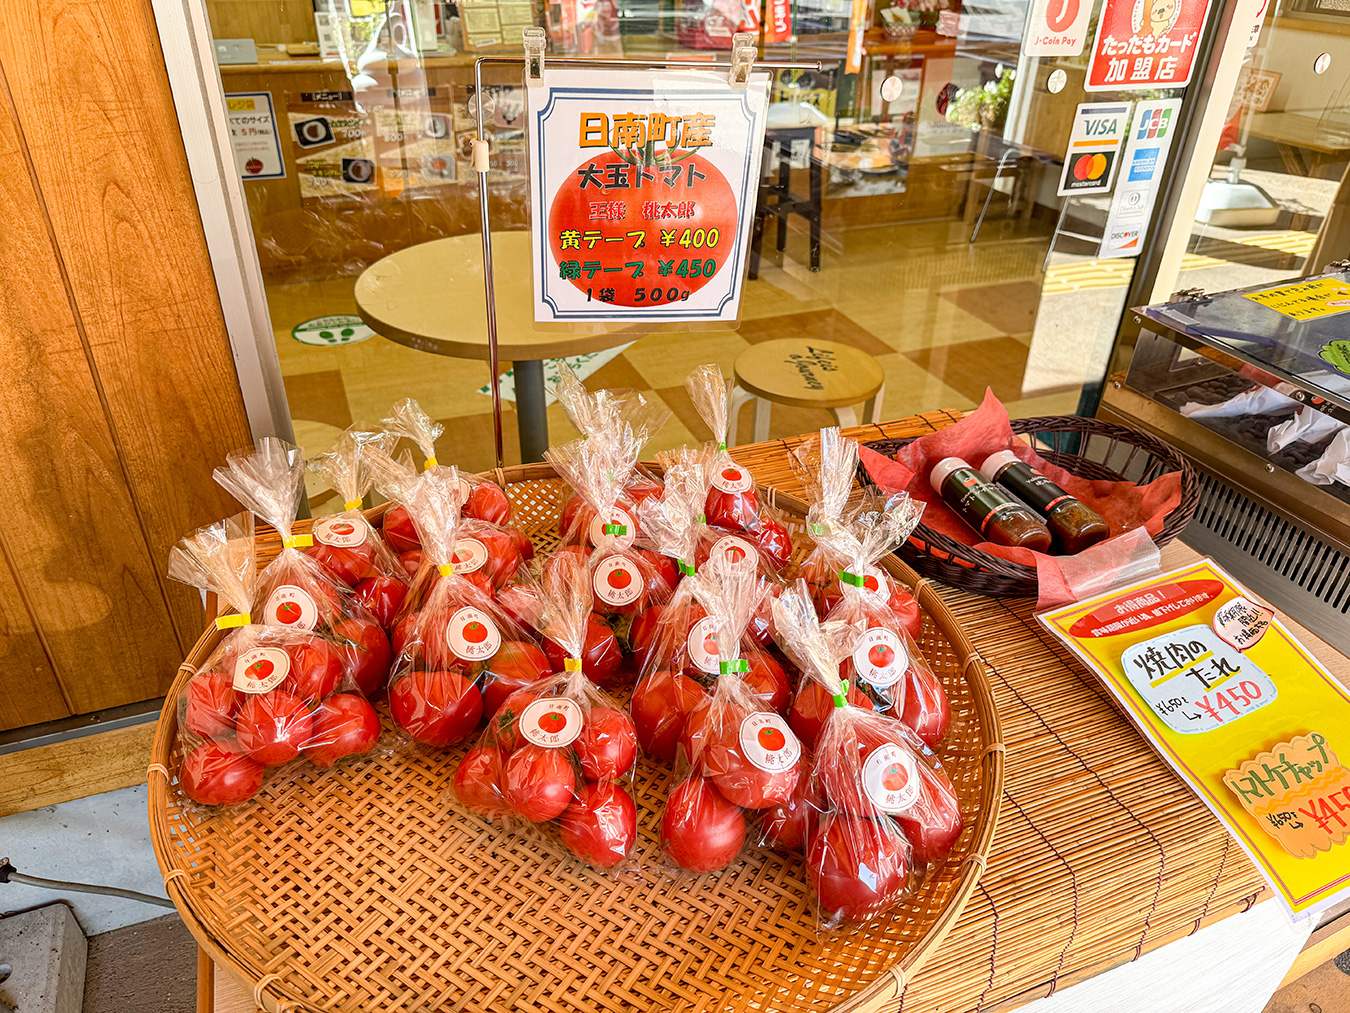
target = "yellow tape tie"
x: 298, y: 541
x: 430, y: 463
x: 572, y: 665
x: 447, y: 569
x: 231, y: 621
x: 352, y: 504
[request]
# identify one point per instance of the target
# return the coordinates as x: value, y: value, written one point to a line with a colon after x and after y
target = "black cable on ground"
x: 9, y: 874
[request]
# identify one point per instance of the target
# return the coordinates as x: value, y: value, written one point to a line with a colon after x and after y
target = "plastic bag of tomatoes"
x: 345, y: 544
x: 267, y: 695
x: 455, y: 649
x: 737, y: 756
x: 601, y: 412
x: 885, y: 811
x: 732, y: 503
x: 294, y: 591
x: 886, y: 663
x: 558, y: 753
x: 479, y: 499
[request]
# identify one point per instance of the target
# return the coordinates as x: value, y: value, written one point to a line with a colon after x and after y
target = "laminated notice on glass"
x: 643, y: 188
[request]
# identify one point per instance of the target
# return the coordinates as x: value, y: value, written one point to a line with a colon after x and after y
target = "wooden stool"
x: 806, y: 374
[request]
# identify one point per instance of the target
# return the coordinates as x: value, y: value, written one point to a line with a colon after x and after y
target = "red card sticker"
x: 1146, y: 44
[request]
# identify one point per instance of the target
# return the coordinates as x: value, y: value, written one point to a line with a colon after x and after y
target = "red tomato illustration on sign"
x: 894, y: 778
x: 654, y: 241
x: 771, y: 739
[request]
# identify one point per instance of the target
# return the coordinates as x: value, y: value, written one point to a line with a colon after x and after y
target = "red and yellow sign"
x: 1146, y: 44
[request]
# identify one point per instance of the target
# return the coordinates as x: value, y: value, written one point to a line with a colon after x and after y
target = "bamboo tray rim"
x: 886, y: 988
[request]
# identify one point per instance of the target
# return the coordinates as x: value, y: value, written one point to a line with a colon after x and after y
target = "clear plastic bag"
x: 559, y: 751
x: 345, y: 544
x: 480, y: 499
x: 267, y: 695
x: 736, y: 755
x: 732, y: 502
x: 887, y: 810
x: 294, y: 590
x: 457, y: 651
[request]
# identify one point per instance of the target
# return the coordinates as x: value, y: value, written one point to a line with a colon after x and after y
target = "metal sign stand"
x: 743, y: 50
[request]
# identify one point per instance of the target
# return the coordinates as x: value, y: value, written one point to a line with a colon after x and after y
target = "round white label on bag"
x: 880, y: 658
x: 261, y: 669
x: 735, y: 551
x: 891, y: 778
x: 617, y: 581
x: 732, y: 478
x: 551, y: 723
x: 339, y: 532
x: 463, y: 489
x: 768, y: 742
x: 472, y: 635
x: 702, y: 645
x: 470, y: 555
x: 596, y: 531
x: 292, y: 607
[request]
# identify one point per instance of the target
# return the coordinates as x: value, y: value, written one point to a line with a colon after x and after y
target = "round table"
x: 431, y: 297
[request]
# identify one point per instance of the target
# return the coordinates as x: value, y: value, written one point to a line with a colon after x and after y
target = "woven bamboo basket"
x: 1088, y: 448
x: 364, y: 888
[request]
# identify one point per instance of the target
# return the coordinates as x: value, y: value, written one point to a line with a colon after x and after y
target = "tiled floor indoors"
x: 943, y: 317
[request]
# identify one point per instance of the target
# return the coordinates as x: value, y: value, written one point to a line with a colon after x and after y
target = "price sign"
x: 643, y: 192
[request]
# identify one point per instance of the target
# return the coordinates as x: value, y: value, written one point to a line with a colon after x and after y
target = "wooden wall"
x: 117, y: 386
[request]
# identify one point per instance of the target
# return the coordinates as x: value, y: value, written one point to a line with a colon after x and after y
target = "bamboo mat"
x: 1102, y: 853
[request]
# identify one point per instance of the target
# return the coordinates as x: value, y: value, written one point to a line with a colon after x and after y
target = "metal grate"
x: 1294, y: 568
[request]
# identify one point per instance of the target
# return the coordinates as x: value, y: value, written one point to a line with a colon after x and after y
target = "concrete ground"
x: 149, y: 967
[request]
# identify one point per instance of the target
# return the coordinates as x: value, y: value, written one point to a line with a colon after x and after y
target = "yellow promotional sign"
x: 1238, y: 707
x: 1306, y: 300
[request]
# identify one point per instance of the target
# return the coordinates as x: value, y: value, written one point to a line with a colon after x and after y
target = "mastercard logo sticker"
x: 1090, y: 167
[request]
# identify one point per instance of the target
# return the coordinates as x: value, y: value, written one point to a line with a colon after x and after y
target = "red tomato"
x: 774, y: 541
x: 898, y: 600
x: 700, y: 830
x: 926, y: 711
x: 212, y: 705
x: 760, y: 628
x: 487, y: 502
x: 522, y: 543
x: 736, y: 776
x: 509, y: 601
x: 364, y: 647
x: 398, y: 639
x: 643, y: 633
x: 789, y: 826
x: 601, y: 657
x: 273, y: 726
x: 540, y: 783
x: 660, y: 705
x: 768, y: 681
x: 735, y: 511
x: 934, y: 824
x: 383, y: 596
x: 214, y: 775
x: 601, y: 825
x: 503, y: 558
x: 436, y: 708
x: 607, y: 745
x: 813, y: 706
x: 344, y: 563
x: 478, y: 780
x: 517, y: 663
x: 399, y: 530
x: 316, y: 669
x: 858, y: 867
x: 505, y: 725
x: 662, y: 575
x: 575, y: 519
x: 412, y: 561
x: 344, y: 725
x: 694, y: 734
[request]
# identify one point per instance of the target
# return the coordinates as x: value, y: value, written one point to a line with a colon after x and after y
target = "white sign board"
x: 643, y: 188
x: 1056, y: 27
x: 253, y: 135
x: 1094, y: 148
x: 1155, y: 123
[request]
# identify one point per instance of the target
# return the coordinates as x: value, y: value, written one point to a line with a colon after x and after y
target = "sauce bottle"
x: 1073, y: 524
x: 988, y: 509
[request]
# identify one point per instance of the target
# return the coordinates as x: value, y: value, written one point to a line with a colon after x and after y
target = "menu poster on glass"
x: 643, y: 191
x: 334, y: 145
x: 1221, y: 689
x: 414, y: 138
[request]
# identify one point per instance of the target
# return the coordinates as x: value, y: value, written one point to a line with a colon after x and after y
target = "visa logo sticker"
x: 1102, y: 128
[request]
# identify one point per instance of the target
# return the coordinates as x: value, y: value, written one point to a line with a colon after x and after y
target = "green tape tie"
x: 685, y: 568
x: 721, y: 445
x: 841, y: 699
x: 616, y: 529
x: 735, y: 665
x: 703, y: 518
x: 850, y: 578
